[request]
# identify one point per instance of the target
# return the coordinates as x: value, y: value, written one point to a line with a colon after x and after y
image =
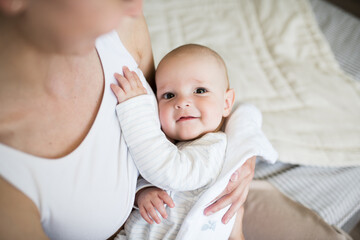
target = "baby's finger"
x: 138, y: 84
x: 123, y: 82
x: 118, y: 91
x: 130, y: 76
x: 152, y: 212
x: 159, y: 205
x: 137, y: 80
x: 167, y: 199
x: 145, y: 215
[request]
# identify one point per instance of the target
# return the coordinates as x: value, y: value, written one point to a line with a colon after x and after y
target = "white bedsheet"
x: 278, y: 60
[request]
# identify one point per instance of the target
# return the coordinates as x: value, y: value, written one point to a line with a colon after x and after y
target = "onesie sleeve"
x: 243, y: 130
x: 142, y: 183
x: 189, y: 166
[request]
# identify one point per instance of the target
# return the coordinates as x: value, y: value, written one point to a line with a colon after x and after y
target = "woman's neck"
x: 24, y: 66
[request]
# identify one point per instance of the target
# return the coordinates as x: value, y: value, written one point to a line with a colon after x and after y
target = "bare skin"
x: 31, y: 110
x: 39, y: 94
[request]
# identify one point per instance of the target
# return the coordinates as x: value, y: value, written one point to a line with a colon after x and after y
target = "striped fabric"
x: 186, y: 170
x: 342, y: 31
x: 178, y: 167
x: 333, y: 193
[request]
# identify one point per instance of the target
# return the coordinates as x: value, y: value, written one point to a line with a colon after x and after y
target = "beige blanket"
x: 277, y: 60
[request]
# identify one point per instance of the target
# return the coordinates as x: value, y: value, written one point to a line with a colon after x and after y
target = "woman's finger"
x: 233, y: 184
x: 236, y: 206
x: 230, y: 187
x: 235, y: 176
x: 237, y: 230
x: 230, y: 213
x: 236, y: 197
x: 219, y: 204
x: 244, y: 173
x: 236, y: 190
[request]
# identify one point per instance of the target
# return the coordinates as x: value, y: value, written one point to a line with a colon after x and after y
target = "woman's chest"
x: 53, y: 123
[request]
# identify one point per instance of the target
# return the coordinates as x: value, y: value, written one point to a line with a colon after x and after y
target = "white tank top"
x: 89, y: 193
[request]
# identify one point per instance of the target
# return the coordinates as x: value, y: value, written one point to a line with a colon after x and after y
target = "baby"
x: 193, y: 98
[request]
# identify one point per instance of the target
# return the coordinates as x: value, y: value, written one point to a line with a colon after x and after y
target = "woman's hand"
x: 151, y: 199
x: 235, y: 192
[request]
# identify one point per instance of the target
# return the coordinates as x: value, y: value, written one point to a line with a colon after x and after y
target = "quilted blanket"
x: 278, y: 60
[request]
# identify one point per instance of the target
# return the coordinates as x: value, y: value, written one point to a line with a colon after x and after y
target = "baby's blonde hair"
x: 198, y: 49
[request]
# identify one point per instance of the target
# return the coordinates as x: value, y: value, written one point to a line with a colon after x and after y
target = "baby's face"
x: 191, y: 93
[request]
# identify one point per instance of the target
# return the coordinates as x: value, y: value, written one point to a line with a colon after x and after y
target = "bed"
x: 298, y: 61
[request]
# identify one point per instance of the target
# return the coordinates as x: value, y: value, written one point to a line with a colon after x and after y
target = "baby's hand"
x: 151, y: 199
x: 129, y: 85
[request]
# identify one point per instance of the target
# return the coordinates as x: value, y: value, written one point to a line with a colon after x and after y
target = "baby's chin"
x: 187, y: 137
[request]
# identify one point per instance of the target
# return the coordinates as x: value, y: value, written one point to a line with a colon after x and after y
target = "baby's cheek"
x: 165, y: 121
x: 215, y: 121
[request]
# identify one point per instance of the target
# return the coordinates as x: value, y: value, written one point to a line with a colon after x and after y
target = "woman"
x: 65, y: 170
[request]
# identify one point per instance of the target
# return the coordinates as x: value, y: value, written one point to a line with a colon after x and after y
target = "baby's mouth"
x: 185, y: 118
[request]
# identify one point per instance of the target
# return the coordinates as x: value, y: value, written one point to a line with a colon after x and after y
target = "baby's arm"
x: 159, y: 161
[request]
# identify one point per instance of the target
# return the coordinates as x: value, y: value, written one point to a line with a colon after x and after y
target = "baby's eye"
x: 200, y: 90
x: 168, y: 95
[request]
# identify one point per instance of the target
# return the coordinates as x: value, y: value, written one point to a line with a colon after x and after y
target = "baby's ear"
x: 229, y: 102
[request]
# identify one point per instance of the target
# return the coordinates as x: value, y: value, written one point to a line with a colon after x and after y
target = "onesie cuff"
x: 136, y: 108
x: 142, y: 183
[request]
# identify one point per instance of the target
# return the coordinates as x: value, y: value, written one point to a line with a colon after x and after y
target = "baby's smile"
x: 186, y: 118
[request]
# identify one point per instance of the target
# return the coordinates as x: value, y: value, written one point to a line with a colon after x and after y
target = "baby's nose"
x: 182, y: 103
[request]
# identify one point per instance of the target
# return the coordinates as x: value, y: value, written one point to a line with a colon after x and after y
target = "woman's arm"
x: 19, y: 217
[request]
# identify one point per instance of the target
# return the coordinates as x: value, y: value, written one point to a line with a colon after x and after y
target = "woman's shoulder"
x: 130, y: 32
x: 134, y: 34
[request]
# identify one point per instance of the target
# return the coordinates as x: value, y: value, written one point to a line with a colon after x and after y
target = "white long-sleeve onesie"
x: 244, y: 140
x: 185, y: 170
